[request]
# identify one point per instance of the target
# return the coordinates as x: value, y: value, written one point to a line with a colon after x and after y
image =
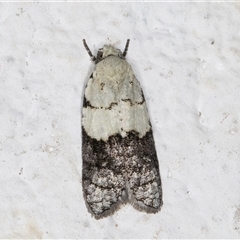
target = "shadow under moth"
x: 120, y: 163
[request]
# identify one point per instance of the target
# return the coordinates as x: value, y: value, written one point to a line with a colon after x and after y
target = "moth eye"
x: 120, y: 55
x: 100, y: 54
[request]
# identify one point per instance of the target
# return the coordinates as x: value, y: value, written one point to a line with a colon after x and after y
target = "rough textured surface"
x: 186, y: 57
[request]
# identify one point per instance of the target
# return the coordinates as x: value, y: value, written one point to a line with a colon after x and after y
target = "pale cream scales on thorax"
x: 113, y: 80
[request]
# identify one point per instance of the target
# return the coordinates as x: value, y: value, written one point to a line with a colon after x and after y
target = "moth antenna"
x: 126, y: 48
x: 88, y: 50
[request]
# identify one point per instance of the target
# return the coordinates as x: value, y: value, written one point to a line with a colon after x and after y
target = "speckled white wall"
x: 186, y: 56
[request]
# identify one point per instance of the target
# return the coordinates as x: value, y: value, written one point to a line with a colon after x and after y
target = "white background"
x: 187, y: 59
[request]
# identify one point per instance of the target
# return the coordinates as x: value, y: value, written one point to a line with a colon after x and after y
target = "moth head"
x: 108, y: 50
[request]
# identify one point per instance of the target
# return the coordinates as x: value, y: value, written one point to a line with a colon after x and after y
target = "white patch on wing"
x: 121, y: 118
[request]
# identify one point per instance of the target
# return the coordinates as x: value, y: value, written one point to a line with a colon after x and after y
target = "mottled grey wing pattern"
x: 144, y: 186
x: 121, y: 170
x: 104, y: 174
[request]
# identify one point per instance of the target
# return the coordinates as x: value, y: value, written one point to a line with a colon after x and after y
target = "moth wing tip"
x: 109, y: 212
x: 144, y: 208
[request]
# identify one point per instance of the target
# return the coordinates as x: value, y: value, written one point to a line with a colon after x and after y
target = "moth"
x: 120, y: 162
